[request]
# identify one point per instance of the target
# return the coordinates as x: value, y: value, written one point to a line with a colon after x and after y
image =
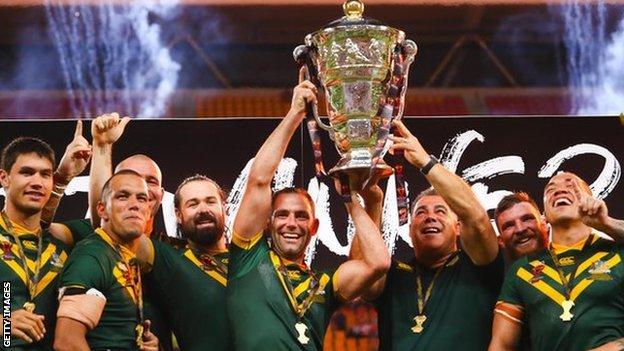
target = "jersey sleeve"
x: 245, y: 254
x: 79, y: 229
x: 510, y: 292
x: 84, y: 270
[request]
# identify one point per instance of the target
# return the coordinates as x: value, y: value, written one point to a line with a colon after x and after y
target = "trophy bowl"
x: 362, y: 66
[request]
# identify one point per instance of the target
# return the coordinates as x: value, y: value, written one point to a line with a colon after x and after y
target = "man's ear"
x: 101, y: 209
x: 4, y: 178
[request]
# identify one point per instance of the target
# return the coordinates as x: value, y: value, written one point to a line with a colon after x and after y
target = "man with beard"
x: 522, y: 229
x: 569, y: 295
x: 100, y: 299
x: 106, y: 131
x: 440, y: 300
x: 274, y: 300
x: 190, y: 281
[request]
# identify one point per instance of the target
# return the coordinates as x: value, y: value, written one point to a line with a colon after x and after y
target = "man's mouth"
x: 35, y: 194
x: 562, y: 201
x: 431, y: 230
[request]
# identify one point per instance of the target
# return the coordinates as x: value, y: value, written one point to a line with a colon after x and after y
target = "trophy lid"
x: 353, y: 10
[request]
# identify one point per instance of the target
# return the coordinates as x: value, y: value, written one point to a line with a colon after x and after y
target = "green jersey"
x: 458, y: 311
x: 190, y: 288
x: 53, y: 256
x: 96, y: 263
x: 597, y: 291
x: 259, y: 304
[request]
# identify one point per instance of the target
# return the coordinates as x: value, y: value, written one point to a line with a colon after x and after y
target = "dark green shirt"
x: 260, y: 312
x: 95, y: 263
x: 597, y: 292
x: 192, y: 297
x: 53, y: 257
x: 459, y: 310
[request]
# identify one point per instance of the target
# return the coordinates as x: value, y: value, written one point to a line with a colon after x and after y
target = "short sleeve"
x: 246, y: 254
x: 79, y: 229
x: 83, y: 269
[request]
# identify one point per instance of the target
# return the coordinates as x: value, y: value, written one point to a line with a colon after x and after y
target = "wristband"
x: 432, y: 162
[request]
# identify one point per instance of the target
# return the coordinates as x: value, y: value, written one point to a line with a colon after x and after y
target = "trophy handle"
x: 302, y: 56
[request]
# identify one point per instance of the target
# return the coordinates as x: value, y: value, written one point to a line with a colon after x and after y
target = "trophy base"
x: 360, y: 169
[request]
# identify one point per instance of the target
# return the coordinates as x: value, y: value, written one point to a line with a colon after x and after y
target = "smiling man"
x: 189, y: 281
x: 522, y: 229
x: 441, y: 298
x: 101, y: 298
x: 569, y: 295
x: 274, y: 300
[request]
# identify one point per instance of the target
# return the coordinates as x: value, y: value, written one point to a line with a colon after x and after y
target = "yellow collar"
x: 19, y: 230
x: 126, y: 253
x: 576, y: 246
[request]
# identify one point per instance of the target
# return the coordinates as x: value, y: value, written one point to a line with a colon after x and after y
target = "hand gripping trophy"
x: 363, y: 66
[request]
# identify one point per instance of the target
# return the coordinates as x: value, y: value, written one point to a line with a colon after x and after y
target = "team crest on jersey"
x: 294, y: 275
x: 404, y: 267
x: 6, y: 246
x: 599, y: 271
x: 56, y: 263
x: 537, y: 273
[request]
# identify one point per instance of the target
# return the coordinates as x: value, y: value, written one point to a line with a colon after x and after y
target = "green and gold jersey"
x: 458, y: 312
x: 261, y: 314
x: 191, y: 291
x: 597, y: 291
x: 96, y: 264
x: 53, y: 257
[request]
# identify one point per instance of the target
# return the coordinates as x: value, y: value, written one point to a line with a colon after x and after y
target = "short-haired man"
x: 106, y: 131
x: 568, y: 295
x: 440, y: 300
x: 522, y: 229
x: 189, y: 282
x: 274, y: 300
x: 32, y: 256
x: 101, y: 304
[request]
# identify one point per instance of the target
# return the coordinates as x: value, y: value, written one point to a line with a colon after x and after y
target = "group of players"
x: 109, y: 284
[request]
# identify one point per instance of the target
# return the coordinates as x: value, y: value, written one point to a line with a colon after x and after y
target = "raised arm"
x: 477, y: 234
x: 373, y: 201
x: 255, y: 206
x: 369, y: 264
x: 74, y: 161
x: 105, y: 130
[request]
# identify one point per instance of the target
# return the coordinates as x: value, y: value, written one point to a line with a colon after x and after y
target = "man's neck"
x: 31, y: 222
x: 433, y: 261
x: 132, y: 245
x: 215, y: 248
x: 569, y: 233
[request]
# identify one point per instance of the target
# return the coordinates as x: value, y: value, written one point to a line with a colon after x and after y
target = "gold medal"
x: 567, y: 305
x: 420, y: 320
x: 139, y: 334
x: 30, y: 306
x: 301, y: 331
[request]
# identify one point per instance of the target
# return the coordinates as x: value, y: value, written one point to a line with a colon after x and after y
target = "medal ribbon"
x: 282, y: 272
x: 31, y: 283
x: 420, y: 299
x: 567, y: 287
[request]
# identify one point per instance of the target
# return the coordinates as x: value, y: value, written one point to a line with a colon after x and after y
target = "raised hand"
x: 593, y: 211
x: 76, y: 156
x: 412, y: 149
x: 304, y: 92
x: 106, y: 129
